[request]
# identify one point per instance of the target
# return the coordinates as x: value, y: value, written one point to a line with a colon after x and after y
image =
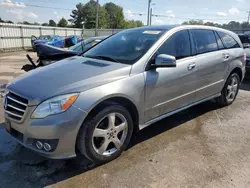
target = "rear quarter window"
x: 228, y: 41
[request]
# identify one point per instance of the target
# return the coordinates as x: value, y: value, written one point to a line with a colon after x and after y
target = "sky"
x: 165, y: 11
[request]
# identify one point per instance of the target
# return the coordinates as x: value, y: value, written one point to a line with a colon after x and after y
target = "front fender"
x: 131, y: 88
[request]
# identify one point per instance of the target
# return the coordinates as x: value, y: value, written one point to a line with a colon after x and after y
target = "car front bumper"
x: 59, y: 130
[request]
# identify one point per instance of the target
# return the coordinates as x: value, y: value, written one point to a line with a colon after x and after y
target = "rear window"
x: 228, y: 41
x: 205, y: 41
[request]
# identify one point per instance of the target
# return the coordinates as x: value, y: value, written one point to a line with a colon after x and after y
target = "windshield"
x: 126, y: 46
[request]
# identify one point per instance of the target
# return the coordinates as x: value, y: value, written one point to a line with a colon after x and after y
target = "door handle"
x: 226, y: 56
x: 191, y: 66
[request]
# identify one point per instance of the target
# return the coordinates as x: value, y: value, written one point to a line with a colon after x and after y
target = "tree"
x: 45, y: 24
x: 36, y: 23
x: 1, y: 21
x: 52, y: 23
x: 132, y: 24
x: 87, y: 13
x: 115, y: 15
x: 193, y: 22
x: 62, y: 23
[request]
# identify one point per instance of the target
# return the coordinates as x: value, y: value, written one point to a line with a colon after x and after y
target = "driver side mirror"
x: 164, y: 60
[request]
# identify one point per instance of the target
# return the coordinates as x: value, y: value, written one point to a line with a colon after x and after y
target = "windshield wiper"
x: 104, y: 58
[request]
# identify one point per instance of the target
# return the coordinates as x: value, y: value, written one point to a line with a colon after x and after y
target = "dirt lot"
x: 205, y: 146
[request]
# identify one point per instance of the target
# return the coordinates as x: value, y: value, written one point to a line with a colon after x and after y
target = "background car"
x: 53, y: 40
x: 245, y: 39
x: 48, y: 54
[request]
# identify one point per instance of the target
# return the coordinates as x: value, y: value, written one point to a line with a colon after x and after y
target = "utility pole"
x: 151, y: 14
x: 148, y: 21
x: 97, y: 17
x: 248, y: 17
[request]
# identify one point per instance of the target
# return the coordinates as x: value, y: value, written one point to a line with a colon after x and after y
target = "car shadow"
x: 173, y: 121
x: 37, y: 171
x: 245, y: 85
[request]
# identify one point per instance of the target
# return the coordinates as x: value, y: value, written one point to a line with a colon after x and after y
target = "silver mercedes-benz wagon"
x: 94, y: 102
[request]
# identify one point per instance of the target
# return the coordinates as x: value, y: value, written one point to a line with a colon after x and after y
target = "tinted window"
x: 205, y: 41
x: 228, y: 41
x: 177, y: 45
x: 219, y: 42
x: 126, y: 46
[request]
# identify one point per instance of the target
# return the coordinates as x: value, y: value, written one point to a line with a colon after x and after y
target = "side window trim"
x: 217, y: 36
x: 225, y: 47
x: 192, y: 43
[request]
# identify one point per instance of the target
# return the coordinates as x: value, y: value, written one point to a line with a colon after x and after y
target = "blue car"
x: 54, y: 40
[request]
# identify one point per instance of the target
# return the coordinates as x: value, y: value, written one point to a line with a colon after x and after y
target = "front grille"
x: 15, y: 106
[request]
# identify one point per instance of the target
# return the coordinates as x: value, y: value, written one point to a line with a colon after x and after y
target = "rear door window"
x: 228, y: 41
x: 219, y: 42
x: 205, y: 41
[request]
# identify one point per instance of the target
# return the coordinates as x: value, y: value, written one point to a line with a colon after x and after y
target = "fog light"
x: 46, y: 147
x: 39, y: 145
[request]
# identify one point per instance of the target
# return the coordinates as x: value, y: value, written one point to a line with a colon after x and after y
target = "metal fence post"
x: 66, y: 33
x: 22, y: 37
x: 40, y: 31
x: 54, y: 30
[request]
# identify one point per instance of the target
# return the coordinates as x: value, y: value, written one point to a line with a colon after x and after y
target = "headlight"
x: 54, y: 106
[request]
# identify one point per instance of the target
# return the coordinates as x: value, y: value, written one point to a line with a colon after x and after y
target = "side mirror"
x: 164, y: 60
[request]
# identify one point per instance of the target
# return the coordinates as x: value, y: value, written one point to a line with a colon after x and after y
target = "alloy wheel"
x: 232, y: 89
x: 109, y: 134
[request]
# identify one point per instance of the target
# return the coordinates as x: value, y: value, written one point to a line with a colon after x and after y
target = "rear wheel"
x: 105, y: 136
x: 230, y: 90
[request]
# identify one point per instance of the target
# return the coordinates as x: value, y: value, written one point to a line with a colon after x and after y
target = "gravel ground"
x: 204, y: 146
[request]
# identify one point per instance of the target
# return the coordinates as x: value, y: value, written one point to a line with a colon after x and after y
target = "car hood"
x: 40, y: 41
x: 75, y: 74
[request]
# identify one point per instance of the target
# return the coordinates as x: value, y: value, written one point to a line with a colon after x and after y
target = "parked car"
x: 245, y: 39
x: 93, y: 103
x: 48, y: 54
x: 54, y: 40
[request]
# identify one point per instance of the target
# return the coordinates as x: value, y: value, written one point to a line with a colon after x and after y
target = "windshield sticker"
x: 151, y: 32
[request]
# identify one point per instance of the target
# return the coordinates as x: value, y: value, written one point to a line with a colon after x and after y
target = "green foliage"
x: 110, y: 16
x: 62, y: 23
x: 114, y: 15
x: 132, y: 24
x: 45, y: 24
x: 52, y: 23
x: 232, y: 25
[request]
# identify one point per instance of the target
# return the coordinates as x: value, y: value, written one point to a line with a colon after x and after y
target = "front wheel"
x: 103, y: 137
x: 230, y: 90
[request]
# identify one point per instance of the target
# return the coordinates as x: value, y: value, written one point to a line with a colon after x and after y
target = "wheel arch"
x: 121, y: 100
x: 238, y: 70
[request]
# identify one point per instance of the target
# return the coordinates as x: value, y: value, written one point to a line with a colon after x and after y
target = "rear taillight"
x: 245, y: 57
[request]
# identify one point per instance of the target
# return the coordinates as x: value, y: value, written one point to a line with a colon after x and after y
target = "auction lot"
x: 204, y: 146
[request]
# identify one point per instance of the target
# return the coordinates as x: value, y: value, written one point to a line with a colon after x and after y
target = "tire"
x: 91, y: 141
x: 224, y: 100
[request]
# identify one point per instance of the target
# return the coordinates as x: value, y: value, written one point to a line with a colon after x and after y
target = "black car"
x: 48, y: 54
x: 245, y: 39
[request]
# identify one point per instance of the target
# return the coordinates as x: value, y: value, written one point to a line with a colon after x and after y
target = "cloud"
x: 169, y: 11
x: 221, y: 14
x: 240, y: 1
x: 55, y: 12
x: 21, y: 14
x: 205, y: 8
x: 159, y: 22
x: 234, y: 11
x: 11, y: 3
x: 171, y: 16
x: 129, y: 13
